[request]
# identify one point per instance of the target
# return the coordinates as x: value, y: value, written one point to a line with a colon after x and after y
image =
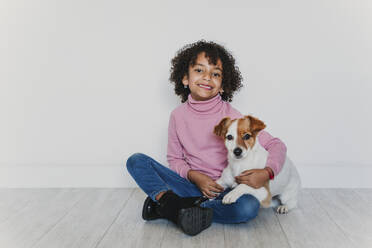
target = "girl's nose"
x: 207, y: 76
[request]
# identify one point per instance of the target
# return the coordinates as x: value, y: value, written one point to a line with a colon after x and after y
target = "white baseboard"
x: 118, y: 177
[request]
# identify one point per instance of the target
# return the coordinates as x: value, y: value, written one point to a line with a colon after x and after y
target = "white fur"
x: 285, y: 185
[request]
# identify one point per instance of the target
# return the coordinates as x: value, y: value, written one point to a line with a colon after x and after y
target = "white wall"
x: 84, y: 84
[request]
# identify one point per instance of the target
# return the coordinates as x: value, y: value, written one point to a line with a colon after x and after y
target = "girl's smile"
x: 204, y: 79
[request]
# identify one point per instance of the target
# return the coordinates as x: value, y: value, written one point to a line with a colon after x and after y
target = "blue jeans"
x: 153, y: 178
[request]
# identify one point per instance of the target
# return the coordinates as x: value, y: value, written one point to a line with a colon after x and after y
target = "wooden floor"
x: 53, y: 218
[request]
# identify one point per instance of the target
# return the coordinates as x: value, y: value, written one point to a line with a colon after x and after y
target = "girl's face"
x: 204, y: 79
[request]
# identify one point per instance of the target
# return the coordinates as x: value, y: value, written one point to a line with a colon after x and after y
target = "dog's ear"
x: 255, y: 124
x: 221, y: 128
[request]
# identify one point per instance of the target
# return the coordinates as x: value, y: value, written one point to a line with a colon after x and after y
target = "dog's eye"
x: 246, y: 136
x: 229, y: 137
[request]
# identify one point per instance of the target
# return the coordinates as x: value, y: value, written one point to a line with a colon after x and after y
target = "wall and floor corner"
x: 83, y: 85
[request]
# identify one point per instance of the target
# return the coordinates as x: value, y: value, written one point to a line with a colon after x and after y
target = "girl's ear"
x: 185, y: 80
x: 221, y: 128
x: 255, y: 124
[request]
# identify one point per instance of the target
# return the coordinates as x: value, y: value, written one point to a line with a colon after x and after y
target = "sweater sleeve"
x: 277, y: 151
x: 174, y: 152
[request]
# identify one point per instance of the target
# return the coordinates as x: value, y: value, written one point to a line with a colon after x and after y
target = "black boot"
x: 150, y: 208
x: 183, y: 211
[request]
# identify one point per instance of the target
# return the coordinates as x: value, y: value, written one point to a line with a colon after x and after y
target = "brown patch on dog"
x: 222, y: 127
x: 244, y: 128
x: 256, y: 124
x: 266, y: 202
x: 249, y: 125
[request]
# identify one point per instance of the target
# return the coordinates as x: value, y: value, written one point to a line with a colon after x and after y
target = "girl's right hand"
x: 205, y: 184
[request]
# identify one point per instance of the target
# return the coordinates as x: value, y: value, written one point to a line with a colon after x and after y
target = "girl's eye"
x: 198, y: 70
x: 229, y: 137
x: 246, y: 136
x: 216, y: 75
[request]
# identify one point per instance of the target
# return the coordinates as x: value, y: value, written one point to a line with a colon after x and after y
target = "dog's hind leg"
x: 289, y: 197
x: 286, y: 206
x: 288, y: 201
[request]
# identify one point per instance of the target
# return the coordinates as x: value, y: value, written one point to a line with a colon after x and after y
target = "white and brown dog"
x: 245, y: 153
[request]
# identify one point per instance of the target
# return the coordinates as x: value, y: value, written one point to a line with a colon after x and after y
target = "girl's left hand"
x: 255, y: 178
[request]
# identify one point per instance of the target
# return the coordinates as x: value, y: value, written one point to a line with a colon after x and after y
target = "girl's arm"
x: 174, y: 152
x: 277, y: 151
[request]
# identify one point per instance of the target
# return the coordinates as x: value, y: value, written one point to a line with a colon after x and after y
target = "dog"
x: 245, y: 153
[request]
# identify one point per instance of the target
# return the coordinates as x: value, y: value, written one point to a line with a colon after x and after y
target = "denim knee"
x: 246, y: 208
x: 133, y: 160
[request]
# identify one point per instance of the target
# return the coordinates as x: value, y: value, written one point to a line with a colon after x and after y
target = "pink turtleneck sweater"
x: 193, y: 145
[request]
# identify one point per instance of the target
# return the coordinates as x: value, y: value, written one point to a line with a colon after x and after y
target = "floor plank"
x: 34, y: 220
x: 349, y: 212
x: 213, y: 237
x: 309, y: 225
x: 130, y: 230
x: 112, y: 218
x: 263, y: 231
x: 365, y: 195
x: 86, y: 223
x: 14, y: 200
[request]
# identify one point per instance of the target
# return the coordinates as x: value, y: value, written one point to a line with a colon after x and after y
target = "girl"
x: 205, y: 77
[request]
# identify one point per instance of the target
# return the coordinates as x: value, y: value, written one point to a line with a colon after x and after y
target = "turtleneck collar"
x: 209, y: 106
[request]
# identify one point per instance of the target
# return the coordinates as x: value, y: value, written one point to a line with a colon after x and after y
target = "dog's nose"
x: 237, y: 151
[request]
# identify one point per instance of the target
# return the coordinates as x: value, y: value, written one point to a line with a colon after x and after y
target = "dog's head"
x: 239, y: 134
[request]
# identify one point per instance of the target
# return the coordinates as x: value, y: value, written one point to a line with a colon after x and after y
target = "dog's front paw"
x: 231, y: 197
x: 282, y: 209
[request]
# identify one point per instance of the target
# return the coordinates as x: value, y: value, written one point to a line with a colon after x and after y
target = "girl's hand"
x: 205, y: 184
x: 255, y: 178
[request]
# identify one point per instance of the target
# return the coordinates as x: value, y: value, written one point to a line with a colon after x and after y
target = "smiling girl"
x: 205, y: 77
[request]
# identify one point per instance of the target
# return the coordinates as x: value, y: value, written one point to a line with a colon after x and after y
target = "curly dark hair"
x: 186, y: 56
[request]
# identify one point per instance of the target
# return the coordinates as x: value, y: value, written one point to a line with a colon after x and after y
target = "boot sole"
x: 194, y: 220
